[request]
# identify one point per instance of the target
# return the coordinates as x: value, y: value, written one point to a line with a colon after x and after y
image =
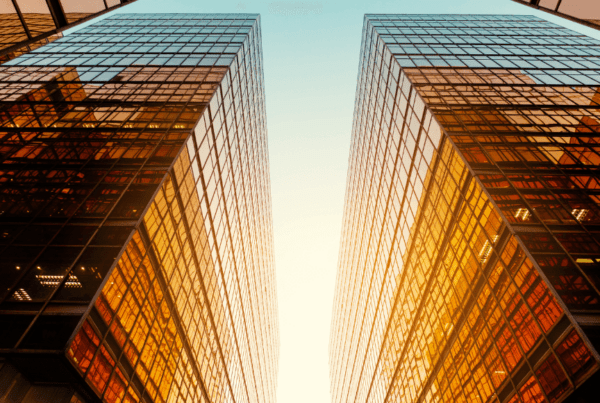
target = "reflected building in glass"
x: 586, y: 12
x: 469, y: 267
x: 29, y: 24
x: 135, y: 219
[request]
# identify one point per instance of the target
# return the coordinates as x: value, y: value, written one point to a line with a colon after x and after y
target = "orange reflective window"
x: 83, y: 347
x: 100, y: 370
x: 531, y: 392
x: 525, y: 328
x: 552, y: 378
x: 116, y: 387
x: 104, y: 309
x: 509, y: 349
x: 131, y: 352
x: 576, y: 357
x: 515, y: 399
x: 118, y: 332
x: 131, y: 396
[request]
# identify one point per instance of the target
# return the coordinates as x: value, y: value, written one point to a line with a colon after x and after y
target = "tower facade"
x: 468, y: 267
x: 135, y: 215
x: 29, y: 24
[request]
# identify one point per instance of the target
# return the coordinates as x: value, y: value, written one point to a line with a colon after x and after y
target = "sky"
x: 310, y: 57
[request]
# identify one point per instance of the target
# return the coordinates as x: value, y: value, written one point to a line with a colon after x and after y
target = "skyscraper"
x: 29, y: 24
x: 468, y: 267
x: 585, y: 12
x: 135, y: 223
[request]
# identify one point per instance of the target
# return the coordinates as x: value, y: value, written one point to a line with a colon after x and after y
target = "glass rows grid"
x: 29, y: 47
x: 373, y: 281
x: 203, y: 40
x: 237, y: 117
x: 544, y: 53
x: 542, y: 142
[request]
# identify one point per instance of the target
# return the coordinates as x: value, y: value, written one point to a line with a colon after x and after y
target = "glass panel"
x: 11, y: 30
x: 37, y: 16
x: 586, y: 10
x: 76, y: 10
x: 549, y: 4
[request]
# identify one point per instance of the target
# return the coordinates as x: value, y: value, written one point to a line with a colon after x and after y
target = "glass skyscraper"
x: 469, y: 268
x: 586, y: 12
x: 135, y: 219
x: 29, y: 24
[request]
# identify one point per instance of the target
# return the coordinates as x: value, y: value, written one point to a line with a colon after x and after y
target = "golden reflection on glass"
x: 460, y: 233
x: 148, y: 214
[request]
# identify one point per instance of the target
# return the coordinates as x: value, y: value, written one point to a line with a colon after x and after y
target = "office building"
x: 586, y: 12
x: 135, y: 219
x: 470, y: 252
x: 29, y: 24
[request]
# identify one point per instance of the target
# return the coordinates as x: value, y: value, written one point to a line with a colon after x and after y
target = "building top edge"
x: 456, y: 17
x: 453, y: 15
x: 189, y: 16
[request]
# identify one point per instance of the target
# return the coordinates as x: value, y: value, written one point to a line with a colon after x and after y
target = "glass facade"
x: 29, y: 24
x: 135, y: 218
x: 585, y: 12
x: 470, y: 250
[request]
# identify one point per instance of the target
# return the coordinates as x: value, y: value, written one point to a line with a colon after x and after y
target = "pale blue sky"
x: 310, y: 51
